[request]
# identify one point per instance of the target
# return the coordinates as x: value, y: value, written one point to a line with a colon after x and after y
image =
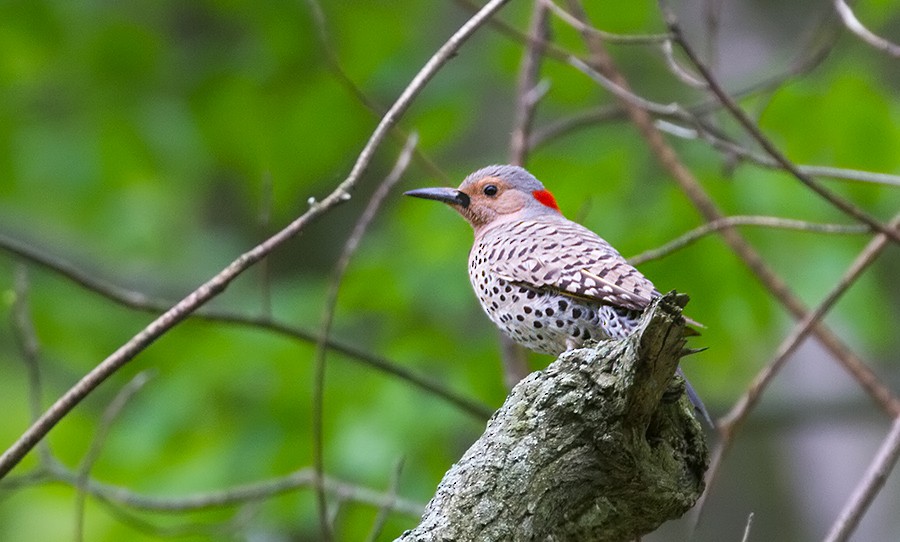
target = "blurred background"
x: 148, y: 144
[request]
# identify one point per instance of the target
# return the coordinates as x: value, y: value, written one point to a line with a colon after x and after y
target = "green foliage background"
x: 150, y: 143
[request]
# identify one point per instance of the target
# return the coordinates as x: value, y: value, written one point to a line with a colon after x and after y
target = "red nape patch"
x: 546, y: 198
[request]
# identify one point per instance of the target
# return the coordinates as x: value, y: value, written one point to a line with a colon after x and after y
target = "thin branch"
x: 551, y: 50
x: 572, y: 123
x: 626, y: 94
x: 334, y: 62
x: 528, y: 93
x: 813, y: 53
x: 234, y: 496
x: 474, y: 408
x: 851, y: 174
x: 60, y: 266
x: 143, y: 302
x: 337, y: 69
x: 687, y: 78
x: 608, y: 37
x: 721, y: 143
x: 526, y: 97
x: 767, y: 145
x: 868, y: 487
x: 217, y: 284
x: 26, y: 337
x: 667, y: 157
x: 609, y: 113
x: 729, y: 424
x: 90, y: 458
x: 749, y: 524
x: 732, y: 221
x: 853, y: 25
x: 337, y: 277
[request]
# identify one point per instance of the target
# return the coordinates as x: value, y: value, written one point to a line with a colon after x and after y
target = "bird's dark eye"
x: 490, y: 190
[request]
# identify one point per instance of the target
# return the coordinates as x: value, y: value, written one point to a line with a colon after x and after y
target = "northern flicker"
x: 549, y: 283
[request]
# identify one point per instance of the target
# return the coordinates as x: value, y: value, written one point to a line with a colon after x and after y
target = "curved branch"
x: 731, y: 422
x: 528, y: 93
x: 609, y: 37
x: 751, y: 127
x: 234, y: 496
x: 143, y: 302
x: 853, y: 25
x: 868, y: 487
x: 720, y: 142
x: 731, y: 221
x: 337, y: 277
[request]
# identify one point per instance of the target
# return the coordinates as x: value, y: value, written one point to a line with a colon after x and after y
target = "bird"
x: 549, y: 283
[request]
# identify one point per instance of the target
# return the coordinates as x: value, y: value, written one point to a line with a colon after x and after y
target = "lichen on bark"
x: 602, y: 445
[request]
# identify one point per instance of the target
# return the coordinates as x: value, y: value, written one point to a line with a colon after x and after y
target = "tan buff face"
x: 490, y: 198
x: 494, y: 195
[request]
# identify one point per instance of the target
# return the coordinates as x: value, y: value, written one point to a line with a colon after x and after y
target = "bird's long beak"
x: 446, y: 195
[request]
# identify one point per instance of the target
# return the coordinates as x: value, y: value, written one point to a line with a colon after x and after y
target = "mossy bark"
x: 602, y: 445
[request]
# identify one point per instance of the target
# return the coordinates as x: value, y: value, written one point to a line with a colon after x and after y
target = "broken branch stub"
x: 601, y: 445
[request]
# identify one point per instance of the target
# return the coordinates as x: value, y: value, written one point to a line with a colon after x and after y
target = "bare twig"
x: 512, y: 355
x: 851, y: 174
x: 868, y: 487
x: 676, y: 68
x: 729, y: 424
x: 572, y: 123
x: 220, y: 281
x: 767, y: 145
x: 234, y: 496
x: 608, y: 37
x: 710, y: 211
x: 337, y: 277
x: 472, y: 407
x: 141, y: 301
x: 747, y: 527
x: 812, y: 54
x: 731, y: 221
x: 26, y: 337
x: 626, y: 95
x: 87, y: 463
x: 664, y: 41
x: 334, y: 62
x: 526, y: 97
x: 609, y: 113
x: 551, y: 50
x: 60, y: 266
x: 853, y: 25
x: 735, y: 149
x: 337, y: 69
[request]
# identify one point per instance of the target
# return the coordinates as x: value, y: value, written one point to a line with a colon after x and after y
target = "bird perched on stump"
x: 549, y: 283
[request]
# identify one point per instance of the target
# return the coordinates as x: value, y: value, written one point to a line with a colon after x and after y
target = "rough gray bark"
x: 602, y: 445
